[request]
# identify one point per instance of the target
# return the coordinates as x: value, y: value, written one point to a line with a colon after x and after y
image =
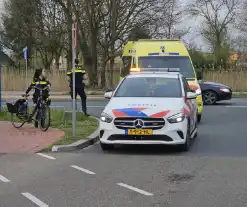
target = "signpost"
x: 74, y: 41
x: 0, y: 88
x: 25, y: 57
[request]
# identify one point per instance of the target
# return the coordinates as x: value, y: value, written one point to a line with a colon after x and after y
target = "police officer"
x: 79, y: 85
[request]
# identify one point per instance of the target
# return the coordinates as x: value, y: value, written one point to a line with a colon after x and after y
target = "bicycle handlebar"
x: 41, y: 89
x: 25, y: 95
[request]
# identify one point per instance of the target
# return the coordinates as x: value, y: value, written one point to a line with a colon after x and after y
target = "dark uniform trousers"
x: 79, y: 86
x: 81, y: 92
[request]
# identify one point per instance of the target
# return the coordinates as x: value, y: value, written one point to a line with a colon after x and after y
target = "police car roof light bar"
x: 155, y: 70
x: 173, y: 69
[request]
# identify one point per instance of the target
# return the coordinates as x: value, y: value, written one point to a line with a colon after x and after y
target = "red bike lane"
x: 26, y: 139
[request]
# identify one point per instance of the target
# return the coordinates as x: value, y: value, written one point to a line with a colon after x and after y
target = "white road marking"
x: 34, y: 200
x: 135, y: 189
x: 83, y: 170
x: 236, y: 106
x: 4, y: 179
x: 46, y: 156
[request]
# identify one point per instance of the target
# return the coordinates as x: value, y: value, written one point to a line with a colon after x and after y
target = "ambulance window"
x: 126, y: 64
x: 182, y: 62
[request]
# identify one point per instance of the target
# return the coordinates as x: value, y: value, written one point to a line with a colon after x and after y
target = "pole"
x: 0, y: 88
x: 73, y: 66
x: 26, y: 75
x: 25, y: 57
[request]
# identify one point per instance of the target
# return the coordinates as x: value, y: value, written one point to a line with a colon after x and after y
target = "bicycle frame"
x: 38, y: 106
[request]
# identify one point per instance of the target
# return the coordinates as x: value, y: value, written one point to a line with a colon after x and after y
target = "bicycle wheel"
x: 45, y: 117
x: 17, y: 121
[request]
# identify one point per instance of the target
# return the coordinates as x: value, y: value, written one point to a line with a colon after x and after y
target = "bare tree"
x: 119, y: 17
x: 170, y: 19
x: 216, y: 16
x: 242, y: 23
x: 67, y: 10
x: 50, y: 32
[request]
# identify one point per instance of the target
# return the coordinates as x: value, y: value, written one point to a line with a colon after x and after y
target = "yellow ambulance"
x: 161, y: 54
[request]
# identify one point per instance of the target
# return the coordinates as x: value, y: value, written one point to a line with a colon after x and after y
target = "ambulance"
x: 152, y: 54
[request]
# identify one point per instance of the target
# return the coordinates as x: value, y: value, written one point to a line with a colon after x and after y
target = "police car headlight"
x: 176, y: 118
x: 106, y: 118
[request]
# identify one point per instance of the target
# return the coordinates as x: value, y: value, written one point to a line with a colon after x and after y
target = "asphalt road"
x: 211, y: 174
x: 94, y: 107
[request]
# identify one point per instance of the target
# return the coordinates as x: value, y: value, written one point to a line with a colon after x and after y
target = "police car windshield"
x: 181, y: 62
x: 149, y: 87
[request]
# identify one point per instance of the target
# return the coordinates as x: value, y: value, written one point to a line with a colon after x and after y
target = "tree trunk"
x: 112, y: 61
x: 94, y: 78
x: 57, y: 62
x: 29, y: 55
x: 114, y: 38
x: 103, y: 74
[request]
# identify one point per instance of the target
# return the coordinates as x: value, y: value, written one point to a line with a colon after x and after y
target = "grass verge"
x: 239, y: 95
x: 85, y: 126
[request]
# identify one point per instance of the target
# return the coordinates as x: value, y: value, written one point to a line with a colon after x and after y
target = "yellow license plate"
x: 139, y: 131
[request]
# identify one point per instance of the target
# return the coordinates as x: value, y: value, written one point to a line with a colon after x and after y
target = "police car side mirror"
x: 191, y: 95
x: 108, y: 90
x: 108, y: 95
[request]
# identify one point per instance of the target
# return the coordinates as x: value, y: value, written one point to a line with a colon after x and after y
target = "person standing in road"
x: 79, y: 85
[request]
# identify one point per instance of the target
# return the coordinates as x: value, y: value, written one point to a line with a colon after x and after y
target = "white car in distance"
x: 150, y: 108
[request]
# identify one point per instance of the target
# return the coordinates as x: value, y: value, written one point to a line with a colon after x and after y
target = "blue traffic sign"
x: 25, y: 53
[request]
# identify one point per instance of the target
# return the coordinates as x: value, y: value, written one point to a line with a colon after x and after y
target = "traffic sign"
x: 25, y: 53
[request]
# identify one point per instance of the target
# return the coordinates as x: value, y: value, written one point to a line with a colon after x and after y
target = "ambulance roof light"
x: 135, y: 70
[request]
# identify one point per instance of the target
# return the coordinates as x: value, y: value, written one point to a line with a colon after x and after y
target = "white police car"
x: 150, y: 108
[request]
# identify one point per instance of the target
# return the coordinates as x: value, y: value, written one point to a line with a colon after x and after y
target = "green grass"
x: 85, y: 126
x: 240, y: 95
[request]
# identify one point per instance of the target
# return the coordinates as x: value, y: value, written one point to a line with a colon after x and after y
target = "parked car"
x: 214, y: 92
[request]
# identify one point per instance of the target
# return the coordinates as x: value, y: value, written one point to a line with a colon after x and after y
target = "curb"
x: 239, y: 93
x: 81, y: 144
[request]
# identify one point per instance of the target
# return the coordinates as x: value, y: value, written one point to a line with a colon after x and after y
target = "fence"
x: 15, y: 80
x: 236, y: 79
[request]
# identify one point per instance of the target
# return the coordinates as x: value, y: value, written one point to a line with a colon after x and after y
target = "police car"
x: 150, y: 108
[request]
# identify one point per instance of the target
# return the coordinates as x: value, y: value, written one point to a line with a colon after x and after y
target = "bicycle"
x: 20, y: 110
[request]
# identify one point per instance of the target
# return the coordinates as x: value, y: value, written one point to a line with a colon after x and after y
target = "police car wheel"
x: 186, y: 146
x: 199, y: 117
x: 106, y: 147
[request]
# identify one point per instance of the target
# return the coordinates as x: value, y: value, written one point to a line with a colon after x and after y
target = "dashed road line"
x: 236, y: 106
x: 135, y: 189
x: 46, y: 156
x: 4, y: 179
x: 83, y: 170
x: 34, y: 199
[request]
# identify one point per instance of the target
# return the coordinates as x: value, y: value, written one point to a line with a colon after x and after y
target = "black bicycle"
x: 20, y: 110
